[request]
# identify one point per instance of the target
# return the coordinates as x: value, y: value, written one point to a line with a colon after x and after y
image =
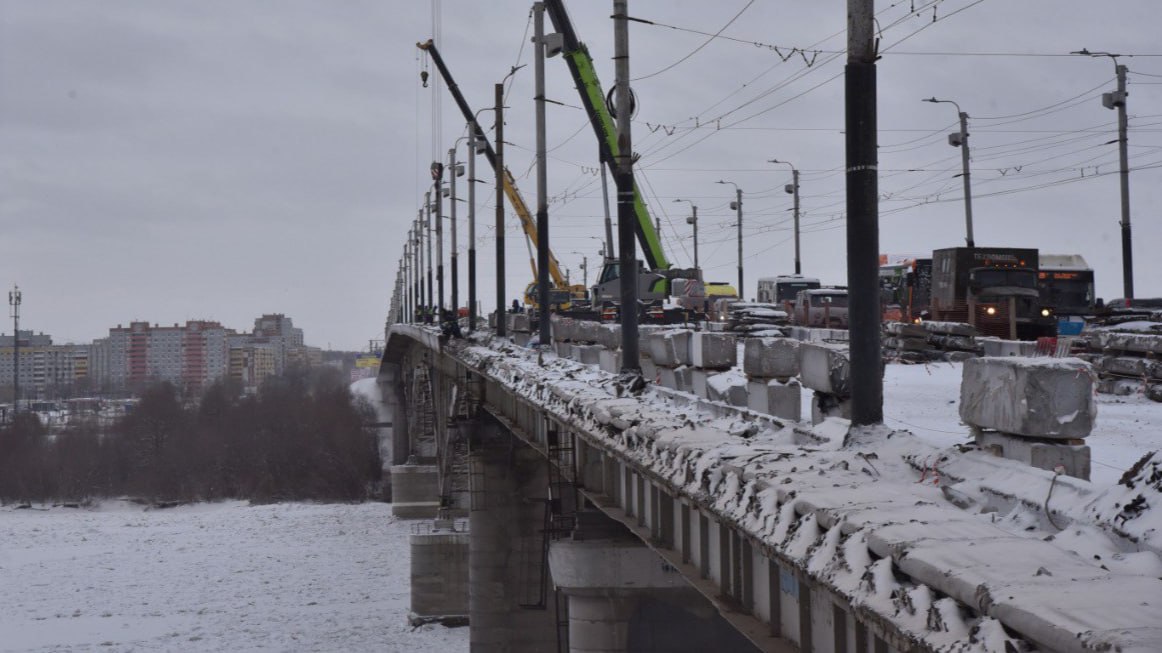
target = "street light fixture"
x: 737, y: 206
x: 793, y: 188
x: 960, y: 139
x: 693, y: 220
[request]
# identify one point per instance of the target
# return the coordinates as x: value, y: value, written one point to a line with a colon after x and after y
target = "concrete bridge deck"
x: 802, y: 538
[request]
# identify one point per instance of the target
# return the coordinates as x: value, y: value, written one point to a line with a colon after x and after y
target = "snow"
x: 210, y: 577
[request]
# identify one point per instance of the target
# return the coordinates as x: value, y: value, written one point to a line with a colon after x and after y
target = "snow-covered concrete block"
x: 728, y: 387
x: 562, y: 328
x: 770, y: 358
x: 587, y: 354
x: 585, y: 331
x: 677, y: 378
x: 998, y: 347
x: 518, y: 322
x: 1124, y: 365
x: 609, y: 360
x: 1139, y: 342
x: 825, y: 368
x: 564, y: 349
x: 713, y: 351
x: 950, y: 328
x: 785, y: 400
x: 669, y: 348
x: 1074, y: 458
x: 1040, y: 397
x: 609, y: 336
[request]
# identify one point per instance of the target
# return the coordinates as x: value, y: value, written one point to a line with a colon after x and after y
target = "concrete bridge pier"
x: 510, y: 602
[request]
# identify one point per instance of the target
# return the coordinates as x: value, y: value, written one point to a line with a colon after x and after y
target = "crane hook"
x: 424, y: 77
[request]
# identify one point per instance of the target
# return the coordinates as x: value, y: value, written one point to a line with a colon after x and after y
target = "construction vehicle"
x: 656, y: 277
x: 562, y: 294
x: 992, y: 288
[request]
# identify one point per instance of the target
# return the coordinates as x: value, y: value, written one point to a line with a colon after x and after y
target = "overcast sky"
x: 167, y: 160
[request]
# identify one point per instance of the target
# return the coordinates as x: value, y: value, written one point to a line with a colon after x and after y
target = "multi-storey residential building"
x: 194, y: 355
x: 46, y: 370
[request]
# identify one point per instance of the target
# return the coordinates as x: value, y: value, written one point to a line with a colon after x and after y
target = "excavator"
x: 562, y: 294
x: 658, y: 281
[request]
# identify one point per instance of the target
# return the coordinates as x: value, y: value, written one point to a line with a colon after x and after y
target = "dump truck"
x: 992, y: 288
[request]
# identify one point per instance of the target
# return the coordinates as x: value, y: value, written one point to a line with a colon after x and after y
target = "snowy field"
x: 210, y: 577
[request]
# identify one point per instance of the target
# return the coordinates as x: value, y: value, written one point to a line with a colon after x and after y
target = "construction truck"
x: 562, y: 294
x: 992, y: 288
x: 657, y: 289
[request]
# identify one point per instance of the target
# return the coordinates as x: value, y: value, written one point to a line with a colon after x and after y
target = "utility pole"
x: 420, y: 261
x: 793, y: 188
x: 501, y: 326
x: 472, y: 226
x: 14, y: 300
x: 1117, y: 100
x: 438, y: 175
x: 428, y: 231
x: 960, y: 139
x: 623, y: 181
x: 407, y: 289
x: 737, y: 206
x: 867, y: 398
x: 607, y: 250
x: 544, y: 310
x: 693, y: 220
x: 453, y: 172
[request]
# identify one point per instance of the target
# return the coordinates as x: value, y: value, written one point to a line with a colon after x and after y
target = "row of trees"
x: 300, y: 437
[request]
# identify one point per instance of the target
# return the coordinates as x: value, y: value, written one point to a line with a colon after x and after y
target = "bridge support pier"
x: 509, y: 605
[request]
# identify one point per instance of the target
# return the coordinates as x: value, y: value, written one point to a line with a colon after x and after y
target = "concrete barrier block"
x: 562, y: 328
x: 756, y: 397
x: 609, y: 336
x: 998, y: 347
x: 713, y: 351
x: 825, y: 368
x: 666, y: 378
x: 649, y: 369
x: 609, y: 360
x: 1139, y: 342
x: 587, y: 354
x: 518, y: 322
x: 564, y: 349
x: 698, y: 380
x: 1039, y: 397
x: 770, y: 358
x: 585, y: 331
x: 1074, y: 458
x: 669, y: 348
x: 728, y: 387
x: 785, y: 400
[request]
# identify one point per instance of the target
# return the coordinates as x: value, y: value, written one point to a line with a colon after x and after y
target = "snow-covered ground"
x: 210, y: 577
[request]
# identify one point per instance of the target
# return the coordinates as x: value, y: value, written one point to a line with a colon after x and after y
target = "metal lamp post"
x: 737, y: 206
x: 960, y: 139
x: 793, y: 188
x: 693, y: 220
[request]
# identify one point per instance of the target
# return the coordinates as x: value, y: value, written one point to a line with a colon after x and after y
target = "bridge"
x: 566, y: 509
